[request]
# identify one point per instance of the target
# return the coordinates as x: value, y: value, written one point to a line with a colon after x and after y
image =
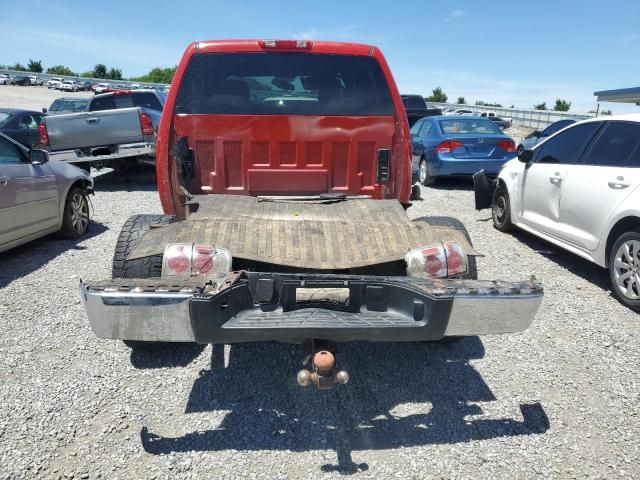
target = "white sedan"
x: 579, y: 190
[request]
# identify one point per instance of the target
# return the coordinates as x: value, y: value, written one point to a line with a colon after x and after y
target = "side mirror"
x: 526, y: 156
x: 38, y: 157
x: 44, y: 110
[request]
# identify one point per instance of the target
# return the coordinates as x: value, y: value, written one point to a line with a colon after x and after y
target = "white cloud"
x: 133, y: 56
x: 455, y: 14
x: 504, y: 90
x: 346, y: 32
x: 306, y: 35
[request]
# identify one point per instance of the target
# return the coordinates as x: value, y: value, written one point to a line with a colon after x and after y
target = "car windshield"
x: 4, y: 118
x: 283, y: 84
x: 68, y: 105
x: 478, y: 126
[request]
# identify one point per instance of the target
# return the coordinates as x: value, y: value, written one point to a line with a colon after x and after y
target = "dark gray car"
x: 38, y: 197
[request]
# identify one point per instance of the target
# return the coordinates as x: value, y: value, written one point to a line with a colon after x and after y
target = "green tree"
x: 35, y: 66
x: 60, y: 70
x: 88, y: 74
x: 562, y: 105
x: 157, y: 75
x: 462, y: 101
x: 99, y: 71
x: 114, y: 74
x: 438, y: 96
x: 18, y: 66
x: 540, y: 106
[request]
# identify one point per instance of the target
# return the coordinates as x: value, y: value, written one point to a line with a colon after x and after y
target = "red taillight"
x: 187, y: 259
x: 44, y: 135
x: 507, y: 145
x: 145, y: 124
x: 449, y: 146
x: 437, y: 261
x: 286, y: 44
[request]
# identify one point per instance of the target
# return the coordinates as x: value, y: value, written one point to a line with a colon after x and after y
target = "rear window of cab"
x: 283, y: 83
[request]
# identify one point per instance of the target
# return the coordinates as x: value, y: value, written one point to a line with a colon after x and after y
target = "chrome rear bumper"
x: 261, y: 307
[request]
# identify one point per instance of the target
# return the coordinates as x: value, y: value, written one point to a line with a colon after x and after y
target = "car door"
x: 542, y: 179
x: 594, y: 189
x: 416, y: 146
x: 28, y: 195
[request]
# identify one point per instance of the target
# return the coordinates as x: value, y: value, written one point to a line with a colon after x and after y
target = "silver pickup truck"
x: 117, y: 128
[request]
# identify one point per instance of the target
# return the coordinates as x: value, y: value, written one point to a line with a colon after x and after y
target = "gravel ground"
x: 32, y: 98
x: 560, y: 400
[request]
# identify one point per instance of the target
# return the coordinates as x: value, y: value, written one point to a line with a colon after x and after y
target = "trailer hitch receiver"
x: 323, y: 374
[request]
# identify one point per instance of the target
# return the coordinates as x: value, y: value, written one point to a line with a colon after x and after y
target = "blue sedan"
x: 457, y: 145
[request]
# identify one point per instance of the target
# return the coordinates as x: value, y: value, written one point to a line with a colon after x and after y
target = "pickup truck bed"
x: 97, y: 136
x: 322, y: 234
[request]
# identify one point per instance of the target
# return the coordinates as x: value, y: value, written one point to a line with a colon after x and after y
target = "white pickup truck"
x: 117, y: 128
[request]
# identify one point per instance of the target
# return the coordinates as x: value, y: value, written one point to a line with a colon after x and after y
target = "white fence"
x: 528, y: 118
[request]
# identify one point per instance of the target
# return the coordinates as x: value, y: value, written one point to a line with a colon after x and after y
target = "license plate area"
x: 339, y: 297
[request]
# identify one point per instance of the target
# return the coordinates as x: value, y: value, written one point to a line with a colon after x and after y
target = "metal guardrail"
x: 48, y: 76
x: 527, y: 118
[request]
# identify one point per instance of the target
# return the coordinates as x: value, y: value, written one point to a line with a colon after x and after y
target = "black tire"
x: 428, y: 179
x: 472, y: 265
x: 501, y: 209
x: 75, y: 219
x: 615, y: 271
x: 520, y: 149
x: 130, y: 235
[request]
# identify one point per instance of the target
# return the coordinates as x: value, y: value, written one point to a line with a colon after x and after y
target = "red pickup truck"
x: 283, y: 168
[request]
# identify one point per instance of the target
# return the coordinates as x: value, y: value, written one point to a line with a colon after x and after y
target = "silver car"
x: 38, y: 197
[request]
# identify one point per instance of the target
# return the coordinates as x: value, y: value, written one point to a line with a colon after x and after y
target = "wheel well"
x: 623, y: 225
x: 80, y: 183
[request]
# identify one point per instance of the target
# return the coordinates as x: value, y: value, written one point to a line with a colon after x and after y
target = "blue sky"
x: 510, y: 52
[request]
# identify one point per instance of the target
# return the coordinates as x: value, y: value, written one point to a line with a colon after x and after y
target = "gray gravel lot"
x: 560, y: 400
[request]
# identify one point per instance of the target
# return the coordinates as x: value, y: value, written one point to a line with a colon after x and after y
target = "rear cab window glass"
x: 283, y: 84
x: 617, y: 146
x: 146, y: 100
x: 567, y: 147
x: 102, y: 103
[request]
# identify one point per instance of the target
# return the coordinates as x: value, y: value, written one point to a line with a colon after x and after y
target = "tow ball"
x: 323, y: 374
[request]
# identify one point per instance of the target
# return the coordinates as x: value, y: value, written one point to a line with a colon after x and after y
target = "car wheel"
x: 423, y: 174
x: 624, y: 269
x: 520, y: 149
x: 501, y: 209
x: 75, y: 221
x: 130, y: 235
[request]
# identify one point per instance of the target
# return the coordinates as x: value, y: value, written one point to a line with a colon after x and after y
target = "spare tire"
x: 129, y: 237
